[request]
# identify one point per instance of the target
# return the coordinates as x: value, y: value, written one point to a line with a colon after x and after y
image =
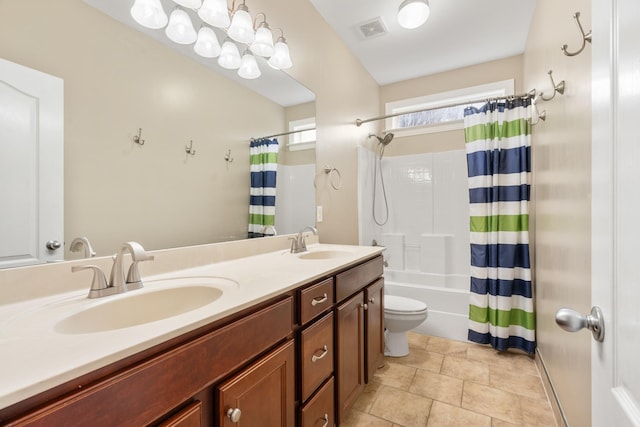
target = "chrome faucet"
x: 117, y: 282
x: 298, y: 243
x: 82, y: 243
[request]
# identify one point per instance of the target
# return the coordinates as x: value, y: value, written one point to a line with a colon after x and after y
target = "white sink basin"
x: 133, y: 309
x: 323, y: 254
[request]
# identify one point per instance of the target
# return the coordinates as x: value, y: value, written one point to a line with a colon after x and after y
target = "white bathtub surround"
x: 429, y: 211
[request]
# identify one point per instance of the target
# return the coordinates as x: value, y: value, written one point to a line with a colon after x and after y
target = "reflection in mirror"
x: 118, y: 80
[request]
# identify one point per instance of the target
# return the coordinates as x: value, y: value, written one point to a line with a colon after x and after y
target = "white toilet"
x: 401, y: 315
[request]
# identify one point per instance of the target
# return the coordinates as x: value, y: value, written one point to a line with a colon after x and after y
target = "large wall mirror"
x: 118, y: 80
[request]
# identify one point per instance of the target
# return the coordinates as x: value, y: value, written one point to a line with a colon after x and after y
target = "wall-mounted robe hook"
x: 586, y: 37
x: 227, y: 157
x: 189, y: 148
x: 138, y: 138
x: 559, y: 88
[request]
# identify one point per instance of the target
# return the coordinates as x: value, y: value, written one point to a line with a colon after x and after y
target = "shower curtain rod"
x: 532, y: 92
x: 283, y: 133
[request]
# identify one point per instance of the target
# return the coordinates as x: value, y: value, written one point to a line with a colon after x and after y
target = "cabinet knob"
x: 234, y: 414
x: 365, y: 306
x: 326, y: 420
x: 372, y: 300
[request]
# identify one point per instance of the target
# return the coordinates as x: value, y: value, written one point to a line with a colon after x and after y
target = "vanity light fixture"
x: 207, y: 44
x: 249, y: 67
x: 281, y: 58
x: 413, y: 13
x: 180, y: 28
x: 263, y: 43
x: 241, y: 28
x: 254, y: 38
x: 229, y: 55
x: 149, y: 14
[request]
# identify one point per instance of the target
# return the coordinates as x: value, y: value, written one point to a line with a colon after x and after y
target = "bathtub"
x: 446, y: 296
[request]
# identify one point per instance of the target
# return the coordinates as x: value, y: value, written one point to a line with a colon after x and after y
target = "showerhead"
x: 383, y: 140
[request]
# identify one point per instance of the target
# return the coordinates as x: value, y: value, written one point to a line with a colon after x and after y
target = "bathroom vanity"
x: 292, y: 344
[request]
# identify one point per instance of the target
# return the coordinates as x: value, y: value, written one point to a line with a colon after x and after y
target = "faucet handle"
x: 99, y: 282
x: 137, y: 254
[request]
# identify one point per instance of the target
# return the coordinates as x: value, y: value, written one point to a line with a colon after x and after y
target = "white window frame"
x: 489, y: 90
x: 303, y: 128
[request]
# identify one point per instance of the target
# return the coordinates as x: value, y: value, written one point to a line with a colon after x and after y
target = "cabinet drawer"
x: 315, y: 300
x: 319, y: 411
x: 191, y: 416
x: 351, y: 281
x: 317, y: 354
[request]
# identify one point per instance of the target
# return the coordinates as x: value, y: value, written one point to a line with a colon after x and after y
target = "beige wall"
x: 488, y: 72
x: 561, y: 196
x: 116, y: 81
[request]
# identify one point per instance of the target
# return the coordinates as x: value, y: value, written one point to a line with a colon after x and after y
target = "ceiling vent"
x: 373, y: 28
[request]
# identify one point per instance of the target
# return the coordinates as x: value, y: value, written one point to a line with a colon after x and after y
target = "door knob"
x: 572, y: 321
x: 52, y: 245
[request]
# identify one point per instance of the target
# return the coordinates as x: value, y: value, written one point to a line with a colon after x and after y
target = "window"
x: 416, y: 122
x: 304, y: 137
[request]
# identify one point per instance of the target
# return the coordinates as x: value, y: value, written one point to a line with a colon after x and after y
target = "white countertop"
x: 35, y: 356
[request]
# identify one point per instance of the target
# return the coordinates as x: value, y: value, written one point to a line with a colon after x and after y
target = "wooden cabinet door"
x: 263, y: 392
x: 191, y: 416
x: 350, y: 352
x: 374, y: 356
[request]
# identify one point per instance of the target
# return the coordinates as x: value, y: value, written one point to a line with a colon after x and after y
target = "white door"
x: 31, y: 166
x: 616, y: 211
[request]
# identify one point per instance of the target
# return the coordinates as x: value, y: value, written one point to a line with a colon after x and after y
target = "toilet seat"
x: 394, y: 304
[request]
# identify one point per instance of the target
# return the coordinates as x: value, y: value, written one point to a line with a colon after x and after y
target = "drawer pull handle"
x: 326, y: 420
x: 234, y: 414
x: 319, y: 300
x: 315, y: 358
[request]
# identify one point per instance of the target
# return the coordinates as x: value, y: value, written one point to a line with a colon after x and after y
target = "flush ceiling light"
x: 180, y: 28
x: 229, y: 55
x: 413, y: 13
x: 207, y: 44
x: 249, y: 67
x: 149, y: 14
x: 215, y: 12
x: 241, y: 28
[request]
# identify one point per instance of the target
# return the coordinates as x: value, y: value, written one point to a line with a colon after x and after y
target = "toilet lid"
x: 393, y: 303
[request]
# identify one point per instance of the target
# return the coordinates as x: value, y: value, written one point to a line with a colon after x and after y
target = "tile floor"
x: 452, y: 383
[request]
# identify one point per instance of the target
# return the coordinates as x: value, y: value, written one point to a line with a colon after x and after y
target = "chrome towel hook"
x: 559, y: 88
x: 138, y: 138
x: 586, y: 37
x: 189, y: 148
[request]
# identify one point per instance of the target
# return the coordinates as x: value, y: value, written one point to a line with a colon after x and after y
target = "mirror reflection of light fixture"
x: 241, y: 28
x: 207, y: 44
x: 180, y: 28
x: 215, y: 12
x: 263, y: 43
x: 191, y: 4
x: 281, y: 58
x: 413, y: 13
x: 249, y: 67
x: 229, y: 55
x: 149, y: 14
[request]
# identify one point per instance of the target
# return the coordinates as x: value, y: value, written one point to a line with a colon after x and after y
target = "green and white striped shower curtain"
x: 498, y: 143
x: 262, y: 196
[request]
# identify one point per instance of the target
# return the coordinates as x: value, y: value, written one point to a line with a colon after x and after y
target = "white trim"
x: 500, y: 88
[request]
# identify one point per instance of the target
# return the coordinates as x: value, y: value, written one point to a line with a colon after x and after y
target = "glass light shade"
x: 191, y: 4
x: 249, y: 67
x: 207, y: 44
x: 281, y: 59
x: 413, y: 13
x: 241, y: 28
x: 263, y: 43
x: 229, y: 56
x: 215, y: 12
x: 149, y: 13
x: 180, y: 29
